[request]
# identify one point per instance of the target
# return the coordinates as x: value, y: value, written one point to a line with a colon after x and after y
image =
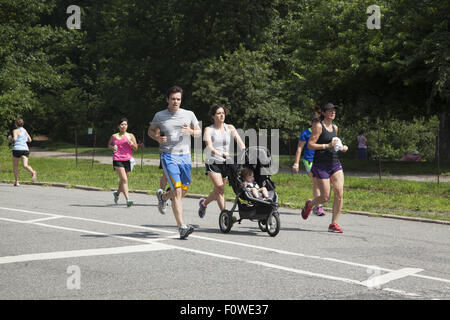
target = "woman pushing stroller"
x: 218, y: 145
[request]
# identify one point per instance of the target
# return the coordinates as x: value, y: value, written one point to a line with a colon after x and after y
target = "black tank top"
x: 326, y: 155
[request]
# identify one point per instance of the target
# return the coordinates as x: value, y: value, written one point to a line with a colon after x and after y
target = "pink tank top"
x: 123, y: 152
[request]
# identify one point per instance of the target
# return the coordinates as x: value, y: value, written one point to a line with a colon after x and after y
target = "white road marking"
x: 92, y: 252
x: 88, y: 231
x: 83, y: 253
x: 215, y: 240
x: 42, y: 219
x: 394, y: 275
x: 299, y: 271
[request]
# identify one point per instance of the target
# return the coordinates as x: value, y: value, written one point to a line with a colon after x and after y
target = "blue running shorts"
x: 177, y: 168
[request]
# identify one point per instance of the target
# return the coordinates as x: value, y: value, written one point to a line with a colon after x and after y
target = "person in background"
x: 362, y: 146
x: 122, y: 144
x: 20, y: 150
x: 308, y: 157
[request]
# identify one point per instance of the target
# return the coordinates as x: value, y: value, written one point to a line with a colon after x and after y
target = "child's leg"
x: 264, y: 192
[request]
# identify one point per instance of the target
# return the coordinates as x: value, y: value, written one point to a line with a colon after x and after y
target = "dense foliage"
x: 269, y: 61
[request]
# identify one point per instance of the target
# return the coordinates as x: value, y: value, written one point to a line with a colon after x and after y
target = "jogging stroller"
x: 265, y: 212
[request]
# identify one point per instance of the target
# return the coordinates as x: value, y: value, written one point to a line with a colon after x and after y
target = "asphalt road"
x: 58, y: 243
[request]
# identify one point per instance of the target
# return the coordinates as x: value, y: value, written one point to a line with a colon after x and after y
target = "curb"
x: 199, y: 196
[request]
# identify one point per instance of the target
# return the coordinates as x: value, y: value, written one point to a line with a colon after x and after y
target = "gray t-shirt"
x: 170, y: 125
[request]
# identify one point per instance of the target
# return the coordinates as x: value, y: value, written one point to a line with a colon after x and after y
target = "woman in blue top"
x: 20, y: 150
x: 308, y: 157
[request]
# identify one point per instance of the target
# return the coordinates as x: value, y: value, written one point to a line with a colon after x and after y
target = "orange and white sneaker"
x: 34, y: 176
x: 16, y: 183
x: 335, y: 228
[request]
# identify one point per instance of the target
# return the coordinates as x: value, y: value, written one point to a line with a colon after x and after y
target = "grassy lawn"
x: 410, y: 198
x: 285, y: 161
x: 149, y: 152
x: 387, y: 167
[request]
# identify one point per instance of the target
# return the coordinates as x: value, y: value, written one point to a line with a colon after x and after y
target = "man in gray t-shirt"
x: 173, y: 128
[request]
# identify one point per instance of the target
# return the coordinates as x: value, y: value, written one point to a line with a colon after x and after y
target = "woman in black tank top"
x: 328, y: 154
x: 326, y: 167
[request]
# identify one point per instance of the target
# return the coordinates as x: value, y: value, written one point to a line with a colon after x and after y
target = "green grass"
x: 149, y: 152
x: 387, y: 167
x: 285, y: 161
x: 399, y: 197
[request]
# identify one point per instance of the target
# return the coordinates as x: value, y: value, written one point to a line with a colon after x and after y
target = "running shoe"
x: 318, y: 210
x: 129, y: 203
x: 202, y: 208
x: 161, y: 203
x: 116, y: 197
x: 335, y: 228
x: 306, y: 209
x: 34, y: 176
x: 16, y: 183
x: 186, y: 231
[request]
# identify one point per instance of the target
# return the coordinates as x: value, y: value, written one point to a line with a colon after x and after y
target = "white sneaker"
x: 161, y: 203
x: 185, y: 232
x: 34, y: 176
x: 116, y: 197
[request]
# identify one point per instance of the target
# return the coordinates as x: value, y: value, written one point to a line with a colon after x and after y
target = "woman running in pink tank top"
x: 122, y: 144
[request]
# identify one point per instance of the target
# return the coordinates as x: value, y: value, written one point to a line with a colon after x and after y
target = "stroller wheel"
x: 262, y: 225
x: 273, y: 223
x: 225, y: 221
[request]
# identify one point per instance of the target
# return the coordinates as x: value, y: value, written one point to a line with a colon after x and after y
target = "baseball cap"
x: 328, y: 106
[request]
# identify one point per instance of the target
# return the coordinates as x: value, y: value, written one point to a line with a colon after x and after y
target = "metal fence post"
x: 379, y: 153
x: 76, y: 148
x: 438, y: 154
x: 93, y: 151
x: 142, y: 150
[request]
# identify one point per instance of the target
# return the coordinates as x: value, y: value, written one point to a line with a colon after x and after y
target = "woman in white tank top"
x: 20, y: 138
x: 218, y: 140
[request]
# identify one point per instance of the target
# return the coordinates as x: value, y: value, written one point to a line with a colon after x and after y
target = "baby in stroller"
x: 245, y: 177
x: 248, y: 179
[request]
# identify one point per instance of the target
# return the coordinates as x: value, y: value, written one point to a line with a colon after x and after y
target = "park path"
x: 38, y: 152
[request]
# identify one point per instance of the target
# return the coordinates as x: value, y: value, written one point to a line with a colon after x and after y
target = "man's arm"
x: 195, y: 131
x: 154, y: 133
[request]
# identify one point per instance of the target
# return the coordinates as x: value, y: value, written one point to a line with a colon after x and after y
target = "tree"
x: 30, y: 59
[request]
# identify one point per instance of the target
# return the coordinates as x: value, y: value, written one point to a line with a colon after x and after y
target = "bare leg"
x: 316, y: 190
x: 324, y: 192
x: 123, y: 182
x: 25, y: 165
x: 163, y: 182
x: 16, y: 168
x: 338, y: 187
x: 255, y: 193
x: 218, y: 193
x: 176, y: 195
x: 264, y: 192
